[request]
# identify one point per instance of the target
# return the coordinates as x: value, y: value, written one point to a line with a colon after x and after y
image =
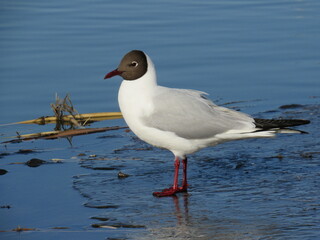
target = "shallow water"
x: 258, y: 55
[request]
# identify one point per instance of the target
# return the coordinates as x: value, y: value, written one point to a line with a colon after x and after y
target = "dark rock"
x: 291, y: 106
x: 35, y: 162
x: 3, y: 171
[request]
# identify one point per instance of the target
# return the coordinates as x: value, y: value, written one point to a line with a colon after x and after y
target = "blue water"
x: 263, y: 54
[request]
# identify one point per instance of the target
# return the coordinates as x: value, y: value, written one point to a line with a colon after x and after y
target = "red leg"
x: 185, y: 179
x: 174, y: 189
x: 176, y: 173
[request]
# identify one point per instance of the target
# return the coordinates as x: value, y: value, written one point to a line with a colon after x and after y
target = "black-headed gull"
x: 180, y: 120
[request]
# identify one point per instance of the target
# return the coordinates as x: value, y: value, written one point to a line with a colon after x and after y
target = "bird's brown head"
x: 132, y: 66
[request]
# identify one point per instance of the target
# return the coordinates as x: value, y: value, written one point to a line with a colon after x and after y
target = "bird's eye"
x: 134, y: 64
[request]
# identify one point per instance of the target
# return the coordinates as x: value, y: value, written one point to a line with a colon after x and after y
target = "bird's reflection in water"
x: 183, y: 228
x: 182, y: 215
x: 199, y: 224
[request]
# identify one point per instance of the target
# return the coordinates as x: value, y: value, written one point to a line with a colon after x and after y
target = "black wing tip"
x: 279, y: 123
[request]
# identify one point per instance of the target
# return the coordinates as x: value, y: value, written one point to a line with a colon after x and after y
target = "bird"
x: 182, y: 121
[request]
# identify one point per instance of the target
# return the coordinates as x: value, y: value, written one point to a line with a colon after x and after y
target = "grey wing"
x: 189, y: 114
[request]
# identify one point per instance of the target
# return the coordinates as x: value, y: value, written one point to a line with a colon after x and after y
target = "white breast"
x: 135, y: 98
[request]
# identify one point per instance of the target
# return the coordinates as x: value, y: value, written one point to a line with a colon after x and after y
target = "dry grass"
x: 68, y: 122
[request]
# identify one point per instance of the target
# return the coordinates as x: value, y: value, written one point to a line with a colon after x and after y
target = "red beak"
x: 113, y: 73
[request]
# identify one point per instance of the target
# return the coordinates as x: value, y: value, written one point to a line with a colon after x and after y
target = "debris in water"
x: 117, y: 225
x: 4, y: 154
x: 60, y: 228
x: 101, y: 206
x: 103, y: 168
x: 25, y: 151
x: 279, y: 156
x: 239, y: 165
x: 5, y: 206
x: 68, y: 122
x: 62, y: 134
x: 123, y: 175
x: 104, y: 219
x: 96, y: 225
x: 309, y: 154
x: 20, y: 229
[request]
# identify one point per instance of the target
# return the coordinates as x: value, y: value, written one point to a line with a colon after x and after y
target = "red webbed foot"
x: 165, y: 192
x: 169, y: 192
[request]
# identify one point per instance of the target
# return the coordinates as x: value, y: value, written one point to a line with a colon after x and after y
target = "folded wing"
x: 189, y: 114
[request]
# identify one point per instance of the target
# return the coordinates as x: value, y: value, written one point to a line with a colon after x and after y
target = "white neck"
x: 146, y: 82
x: 135, y: 96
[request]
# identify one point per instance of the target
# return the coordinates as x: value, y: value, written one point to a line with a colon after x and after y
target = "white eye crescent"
x: 134, y: 64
